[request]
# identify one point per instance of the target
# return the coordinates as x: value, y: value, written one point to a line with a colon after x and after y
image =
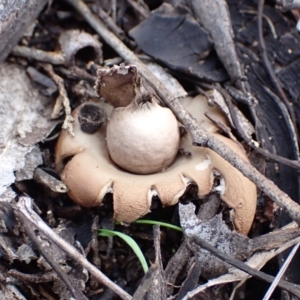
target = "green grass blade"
x: 130, y: 241
x: 151, y: 222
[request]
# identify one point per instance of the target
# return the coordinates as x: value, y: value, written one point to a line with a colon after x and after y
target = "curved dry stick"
x: 24, y: 207
x: 76, y: 293
x: 199, y: 135
x: 269, y: 67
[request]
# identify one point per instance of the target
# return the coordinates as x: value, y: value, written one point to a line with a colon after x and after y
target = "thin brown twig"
x: 24, y: 207
x: 269, y: 21
x: 267, y: 154
x: 221, y: 125
x: 44, y: 277
x: 199, y: 135
x: 269, y: 67
x: 78, y: 73
x: 62, y: 99
x: 274, y: 157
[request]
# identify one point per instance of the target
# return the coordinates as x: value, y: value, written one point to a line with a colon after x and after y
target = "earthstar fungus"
x: 134, y: 153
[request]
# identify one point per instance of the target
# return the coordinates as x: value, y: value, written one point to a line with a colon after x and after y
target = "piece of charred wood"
x: 49, y: 181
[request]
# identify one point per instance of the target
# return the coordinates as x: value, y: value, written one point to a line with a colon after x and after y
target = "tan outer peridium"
x: 90, y: 174
x: 240, y: 193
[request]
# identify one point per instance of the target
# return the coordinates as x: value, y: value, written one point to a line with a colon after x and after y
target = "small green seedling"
x: 151, y: 222
x: 131, y: 242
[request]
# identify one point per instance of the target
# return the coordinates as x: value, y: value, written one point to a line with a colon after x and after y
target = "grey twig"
x: 49, y: 181
x: 24, y: 207
x: 62, y: 275
x: 40, y: 55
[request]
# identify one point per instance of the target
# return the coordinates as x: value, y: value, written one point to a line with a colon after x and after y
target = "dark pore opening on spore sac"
x: 144, y: 99
x: 90, y: 118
